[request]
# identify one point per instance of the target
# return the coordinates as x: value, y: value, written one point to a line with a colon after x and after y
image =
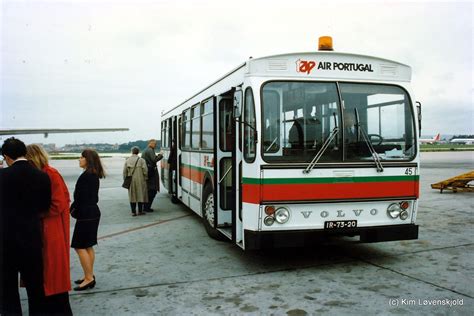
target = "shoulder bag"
x: 127, y: 182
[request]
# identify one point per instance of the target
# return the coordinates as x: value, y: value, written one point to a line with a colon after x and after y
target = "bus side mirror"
x: 237, y: 103
x: 418, y: 108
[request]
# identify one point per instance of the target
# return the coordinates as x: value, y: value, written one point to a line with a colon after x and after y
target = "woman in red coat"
x: 56, y: 274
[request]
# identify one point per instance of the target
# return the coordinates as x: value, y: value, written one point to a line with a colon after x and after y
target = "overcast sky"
x: 86, y: 64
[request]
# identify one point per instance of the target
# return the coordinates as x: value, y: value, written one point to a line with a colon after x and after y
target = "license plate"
x: 340, y: 224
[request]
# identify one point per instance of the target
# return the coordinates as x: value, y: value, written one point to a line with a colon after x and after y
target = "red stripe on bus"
x: 193, y: 174
x: 301, y: 192
x: 165, y: 164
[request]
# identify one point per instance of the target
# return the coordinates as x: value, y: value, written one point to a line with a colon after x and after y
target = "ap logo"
x: 305, y: 66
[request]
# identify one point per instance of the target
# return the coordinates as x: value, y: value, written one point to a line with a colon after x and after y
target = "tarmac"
x: 163, y: 263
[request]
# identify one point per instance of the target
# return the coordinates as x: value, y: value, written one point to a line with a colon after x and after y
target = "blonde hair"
x: 37, y: 155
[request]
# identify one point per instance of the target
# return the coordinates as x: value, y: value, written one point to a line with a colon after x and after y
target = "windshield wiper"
x: 365, y: 136
x: 323, y: 148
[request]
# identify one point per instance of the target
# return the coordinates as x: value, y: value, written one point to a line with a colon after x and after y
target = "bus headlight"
x: 282, y: 215
x: 394, y: 210
x: 269, y: 220
x: 404, y: 215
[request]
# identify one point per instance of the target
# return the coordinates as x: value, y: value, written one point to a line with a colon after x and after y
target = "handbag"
x: 127, y: 182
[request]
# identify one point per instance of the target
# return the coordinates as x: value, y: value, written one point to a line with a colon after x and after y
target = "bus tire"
x: 174, y: 199
x: 208, y: 213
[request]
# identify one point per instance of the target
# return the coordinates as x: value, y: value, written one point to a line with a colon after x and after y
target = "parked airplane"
x: 433, y: 140
x: 465, y: 141
x: 46, y: 132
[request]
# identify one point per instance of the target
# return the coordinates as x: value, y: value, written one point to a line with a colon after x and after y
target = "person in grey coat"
x: 137, y: 193
x: 153, y: 181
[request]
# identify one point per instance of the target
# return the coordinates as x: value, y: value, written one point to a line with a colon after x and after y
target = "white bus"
x: 291, y: 149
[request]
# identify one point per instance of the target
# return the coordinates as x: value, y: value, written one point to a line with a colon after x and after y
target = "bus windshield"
x: 299, y: 117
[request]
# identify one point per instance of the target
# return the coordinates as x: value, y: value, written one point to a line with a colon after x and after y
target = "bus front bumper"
x: 298, y: 238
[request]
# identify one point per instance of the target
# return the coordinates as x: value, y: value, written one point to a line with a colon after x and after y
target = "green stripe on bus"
x: 330, y: 180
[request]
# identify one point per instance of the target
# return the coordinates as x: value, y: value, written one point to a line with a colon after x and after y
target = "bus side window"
x: 187, y: 129
x: 180, y: 131
x: 207, y: 126
x: 195, y: 127
x: 271, y: 123
x: 249, y: 127
x: 225, y: 118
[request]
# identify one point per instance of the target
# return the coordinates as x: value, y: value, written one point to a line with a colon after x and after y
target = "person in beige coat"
x: 137, y: 193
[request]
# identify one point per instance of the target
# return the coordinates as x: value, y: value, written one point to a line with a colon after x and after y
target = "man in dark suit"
x: 153, y: 181
x: 25, y: 193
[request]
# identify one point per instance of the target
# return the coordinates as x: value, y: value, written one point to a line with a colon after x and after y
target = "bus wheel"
x: 174, y: 199
x: 208, y: 213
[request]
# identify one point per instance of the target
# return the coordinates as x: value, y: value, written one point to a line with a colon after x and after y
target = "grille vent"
x: 277, y: 65
x: 388, y: 70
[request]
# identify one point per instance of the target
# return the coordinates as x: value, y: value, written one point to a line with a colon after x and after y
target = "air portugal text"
x: 307, y: 66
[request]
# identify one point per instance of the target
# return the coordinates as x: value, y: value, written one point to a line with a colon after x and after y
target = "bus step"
x: 226, y: 231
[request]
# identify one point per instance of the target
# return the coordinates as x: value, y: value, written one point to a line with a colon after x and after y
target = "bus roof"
x: 319, y: 65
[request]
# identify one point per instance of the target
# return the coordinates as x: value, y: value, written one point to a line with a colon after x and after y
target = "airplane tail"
x: 437, y: 137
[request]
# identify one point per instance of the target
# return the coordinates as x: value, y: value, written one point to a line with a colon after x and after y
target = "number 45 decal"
x: 409, y: 171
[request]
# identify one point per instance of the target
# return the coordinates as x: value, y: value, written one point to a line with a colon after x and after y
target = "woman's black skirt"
x: 85, y: 233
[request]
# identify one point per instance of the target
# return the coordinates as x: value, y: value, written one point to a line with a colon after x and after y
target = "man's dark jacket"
x: 25, y: 193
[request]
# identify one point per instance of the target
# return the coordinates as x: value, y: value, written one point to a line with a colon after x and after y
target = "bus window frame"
x: 340, y: 119
x: 184, y: 145
x: 221, y: 107
x: 170, y: 134
x: 262, y: 128
x: 195, y: 117
x: 412, y: 112
x: 163, y: 135
x: 180, y: 131
x: 244, y: 147
x: 211, y: 114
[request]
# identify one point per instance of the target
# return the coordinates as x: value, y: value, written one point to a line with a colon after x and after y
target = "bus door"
x: 225, y: 198
x: 172, y: 159
x: 185, y: 158
x: 237, y: 227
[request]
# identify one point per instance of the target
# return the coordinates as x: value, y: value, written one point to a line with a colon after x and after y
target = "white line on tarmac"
x: 141, y: 227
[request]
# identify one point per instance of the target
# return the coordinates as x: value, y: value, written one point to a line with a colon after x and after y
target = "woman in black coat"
x: 85, y: 210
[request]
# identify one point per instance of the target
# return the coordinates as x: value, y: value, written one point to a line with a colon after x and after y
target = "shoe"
x: 89, y: 285
x: 79, y: 281
x: 141, y: 213
x: 149, y: 210
x: 134, y: 214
